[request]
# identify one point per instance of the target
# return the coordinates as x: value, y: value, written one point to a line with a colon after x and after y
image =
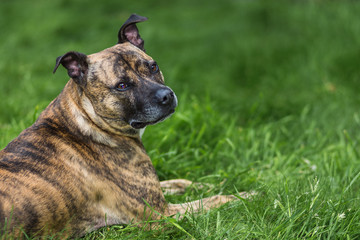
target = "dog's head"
x: 122, y: 86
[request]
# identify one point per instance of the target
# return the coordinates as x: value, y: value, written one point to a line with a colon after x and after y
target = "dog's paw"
x: 246, y: 195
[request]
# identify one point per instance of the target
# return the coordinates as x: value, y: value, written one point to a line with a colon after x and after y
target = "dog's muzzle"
x: 160, y: 107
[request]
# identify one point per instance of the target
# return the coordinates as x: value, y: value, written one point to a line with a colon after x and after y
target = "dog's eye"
x: 154, y: 68
x: 122, y: 86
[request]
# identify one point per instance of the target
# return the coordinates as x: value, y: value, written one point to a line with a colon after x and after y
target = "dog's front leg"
x: 198, y: 205
x: 179, y: 186
x: 174, y: 186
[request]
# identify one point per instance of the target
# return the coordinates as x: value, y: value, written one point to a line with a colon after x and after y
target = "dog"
x: 81, y: 165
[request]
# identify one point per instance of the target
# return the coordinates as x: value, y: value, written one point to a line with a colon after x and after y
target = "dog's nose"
x: 164, y: 96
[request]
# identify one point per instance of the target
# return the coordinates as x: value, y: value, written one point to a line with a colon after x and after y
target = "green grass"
x: 268, y: 101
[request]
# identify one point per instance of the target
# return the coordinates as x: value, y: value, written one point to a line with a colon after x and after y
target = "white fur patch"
x: 141, y: 131
x: 86, y: 126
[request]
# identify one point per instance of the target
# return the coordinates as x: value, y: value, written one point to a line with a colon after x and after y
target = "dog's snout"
x: 164, y: 96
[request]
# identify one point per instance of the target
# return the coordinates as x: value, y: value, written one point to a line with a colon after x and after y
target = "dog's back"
x: 36, y: 192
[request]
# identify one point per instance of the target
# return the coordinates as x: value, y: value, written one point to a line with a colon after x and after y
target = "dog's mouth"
x: 141, y: 124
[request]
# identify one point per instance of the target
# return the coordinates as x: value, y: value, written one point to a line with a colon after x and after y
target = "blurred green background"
x: 268, y: 98
x: 258, y: 59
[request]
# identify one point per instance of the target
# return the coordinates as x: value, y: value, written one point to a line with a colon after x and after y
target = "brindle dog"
x: 82, y: 165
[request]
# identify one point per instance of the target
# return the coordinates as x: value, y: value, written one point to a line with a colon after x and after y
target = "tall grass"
x: 268, y: 101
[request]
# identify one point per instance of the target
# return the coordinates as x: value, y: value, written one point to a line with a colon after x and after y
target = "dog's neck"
x: 74, y: 102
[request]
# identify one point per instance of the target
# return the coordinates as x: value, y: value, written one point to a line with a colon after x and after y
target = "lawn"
x: 268, y: 101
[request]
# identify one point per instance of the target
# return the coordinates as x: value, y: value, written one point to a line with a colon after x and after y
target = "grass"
x: 268, y: 101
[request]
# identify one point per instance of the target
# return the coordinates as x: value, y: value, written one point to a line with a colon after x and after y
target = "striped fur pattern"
x: 82, y: 165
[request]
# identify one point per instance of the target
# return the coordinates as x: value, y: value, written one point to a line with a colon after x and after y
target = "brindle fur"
x: 82, y: 164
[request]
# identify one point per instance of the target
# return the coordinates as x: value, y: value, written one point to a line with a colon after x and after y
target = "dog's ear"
x: 76, y: 65
x: 130, y: 33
